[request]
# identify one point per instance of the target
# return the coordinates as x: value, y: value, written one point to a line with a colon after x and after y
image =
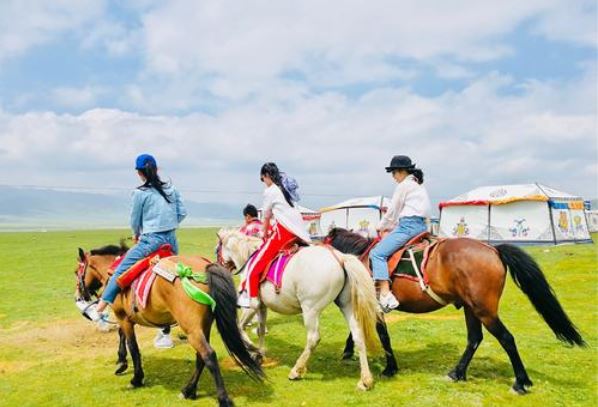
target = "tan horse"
x: 169, y: 304
x: 470, y: 274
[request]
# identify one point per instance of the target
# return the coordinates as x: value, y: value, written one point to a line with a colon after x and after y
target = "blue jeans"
x: 408, y: 228
x: 147, y: 244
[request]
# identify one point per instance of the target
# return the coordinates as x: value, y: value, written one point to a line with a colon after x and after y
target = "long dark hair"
x: 271, y: 170
x: 152, y: 180
x: 417, y: 173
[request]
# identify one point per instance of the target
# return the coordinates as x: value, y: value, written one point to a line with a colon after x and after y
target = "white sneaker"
x: 93, y: 314
x: 243, y: 300
x: 162, y: 341
x: 388, y: 302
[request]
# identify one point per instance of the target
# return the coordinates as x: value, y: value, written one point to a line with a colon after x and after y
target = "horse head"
x: 235, y: 248
x: 92, y: 269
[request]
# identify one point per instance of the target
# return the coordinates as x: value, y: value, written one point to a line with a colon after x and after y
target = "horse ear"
x: 81, y: 254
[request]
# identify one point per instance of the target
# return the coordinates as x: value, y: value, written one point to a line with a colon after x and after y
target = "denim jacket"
x: 151, y: 213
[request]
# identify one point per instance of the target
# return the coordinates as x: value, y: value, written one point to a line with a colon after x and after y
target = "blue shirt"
x: 151, y: 213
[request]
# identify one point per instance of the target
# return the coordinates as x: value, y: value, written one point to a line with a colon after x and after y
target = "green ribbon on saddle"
x: 185, y: 273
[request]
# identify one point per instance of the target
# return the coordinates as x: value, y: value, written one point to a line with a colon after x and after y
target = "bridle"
x: 81, y: 273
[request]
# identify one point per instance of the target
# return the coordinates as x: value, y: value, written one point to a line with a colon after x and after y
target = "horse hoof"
x: 365, y: 385
x: 390, y: 372
x: 183, y: 395
x: 225, y: 403
x: 521, y: 388
x: 122, y: 368
x: 295, y: 375
x: 347, y: 356
x: 455, y: 376
x: 133, y: 384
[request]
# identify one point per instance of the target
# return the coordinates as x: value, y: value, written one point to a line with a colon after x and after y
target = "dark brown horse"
x: 168, y: 304
x: 470, y: 274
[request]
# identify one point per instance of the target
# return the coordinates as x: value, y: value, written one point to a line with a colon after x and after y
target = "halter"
x: 81, y: 273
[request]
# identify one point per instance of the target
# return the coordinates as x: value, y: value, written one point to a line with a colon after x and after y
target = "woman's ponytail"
x: 418, y: 174
x: 152, y: 180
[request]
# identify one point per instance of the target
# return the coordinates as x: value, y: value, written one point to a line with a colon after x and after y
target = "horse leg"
x: 209, y: 358
x: 190, y: 390
x: 261, y: 331
x: 507, y: 341
x: 391, y: 362
x: 349, y: 348
x: 474, y: 338
x: 129, y: 331
x: 366, y: 381
x: 122, y: 353
x: 311, y: 320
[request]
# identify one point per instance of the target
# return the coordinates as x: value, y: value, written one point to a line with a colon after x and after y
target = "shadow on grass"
x: 173, y: 374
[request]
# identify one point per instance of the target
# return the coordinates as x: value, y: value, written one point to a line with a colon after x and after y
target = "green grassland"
x: 50, y: 355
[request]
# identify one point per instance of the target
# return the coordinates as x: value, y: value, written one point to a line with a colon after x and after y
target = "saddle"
x: 401, y: 264
x: 275, y: 269
x: 127, y: 278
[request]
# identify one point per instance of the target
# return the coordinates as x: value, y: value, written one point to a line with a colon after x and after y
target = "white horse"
x: 314, y: 278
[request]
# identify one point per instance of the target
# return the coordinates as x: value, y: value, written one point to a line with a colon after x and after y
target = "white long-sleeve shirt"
x: 285, y: 214
x: 409, y: 199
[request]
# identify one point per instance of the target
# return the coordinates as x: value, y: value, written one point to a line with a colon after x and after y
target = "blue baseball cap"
x: 144, y: 159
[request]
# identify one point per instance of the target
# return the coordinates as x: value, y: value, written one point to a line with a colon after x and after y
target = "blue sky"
x: 477, y: 93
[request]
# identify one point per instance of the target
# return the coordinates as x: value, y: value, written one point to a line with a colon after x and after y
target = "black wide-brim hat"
x: 400, y: 162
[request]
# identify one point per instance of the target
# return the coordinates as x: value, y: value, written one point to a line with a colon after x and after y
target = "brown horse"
x: 168, y: 304
x: 469, y: 274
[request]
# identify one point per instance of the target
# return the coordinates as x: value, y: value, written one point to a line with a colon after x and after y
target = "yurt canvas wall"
x: 526, y: 214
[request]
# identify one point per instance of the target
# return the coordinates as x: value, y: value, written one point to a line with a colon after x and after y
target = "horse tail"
x: 363, y: 298
x: 222, y: 289
x: 528, y: 276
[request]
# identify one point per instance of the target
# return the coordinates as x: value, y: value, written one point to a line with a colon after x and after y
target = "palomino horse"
x: 314, y: 277
x: 168, y: 304
x: 470, y: 274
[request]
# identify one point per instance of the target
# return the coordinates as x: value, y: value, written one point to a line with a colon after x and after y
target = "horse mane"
x: 348, y: 242
x: 111, y: 250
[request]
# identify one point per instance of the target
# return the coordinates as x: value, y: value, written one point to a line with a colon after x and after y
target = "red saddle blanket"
x: 142, y: 285
x: 127, y: 278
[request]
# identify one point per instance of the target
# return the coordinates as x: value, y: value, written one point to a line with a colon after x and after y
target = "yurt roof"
x: 375, y: 202
x: 503, y: 194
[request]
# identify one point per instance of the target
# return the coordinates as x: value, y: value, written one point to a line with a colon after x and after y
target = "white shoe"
x: 93, y: 314
x: 103, y: 326
x: 388, y: 302
x: 163, y: 341
x: 243, y: 300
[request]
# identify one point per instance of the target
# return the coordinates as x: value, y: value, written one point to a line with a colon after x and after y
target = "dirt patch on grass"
x: 59, y: 338
x: 13, y: 367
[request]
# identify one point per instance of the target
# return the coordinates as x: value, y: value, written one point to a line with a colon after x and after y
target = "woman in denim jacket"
x: 156, y: 213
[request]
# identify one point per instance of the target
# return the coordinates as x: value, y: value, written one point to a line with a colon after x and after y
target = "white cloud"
x: 77, y: 98
x: 25, y: 24
x: 332, y: 144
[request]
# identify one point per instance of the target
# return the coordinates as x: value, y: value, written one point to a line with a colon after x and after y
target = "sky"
x: 476, y: 93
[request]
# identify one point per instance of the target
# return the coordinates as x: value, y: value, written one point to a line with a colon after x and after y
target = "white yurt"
x: 523, y: 214
x: 592, y: 219
x: 358, y: 214
x: 311, y: 219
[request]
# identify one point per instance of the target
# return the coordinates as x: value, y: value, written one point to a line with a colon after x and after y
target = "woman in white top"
x: 405, y: 219
x: 283, y: 224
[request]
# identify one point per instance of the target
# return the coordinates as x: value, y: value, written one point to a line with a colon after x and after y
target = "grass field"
x: 50, y: 355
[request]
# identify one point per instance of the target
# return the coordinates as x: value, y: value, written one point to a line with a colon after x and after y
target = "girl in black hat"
x: 404, y: 219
